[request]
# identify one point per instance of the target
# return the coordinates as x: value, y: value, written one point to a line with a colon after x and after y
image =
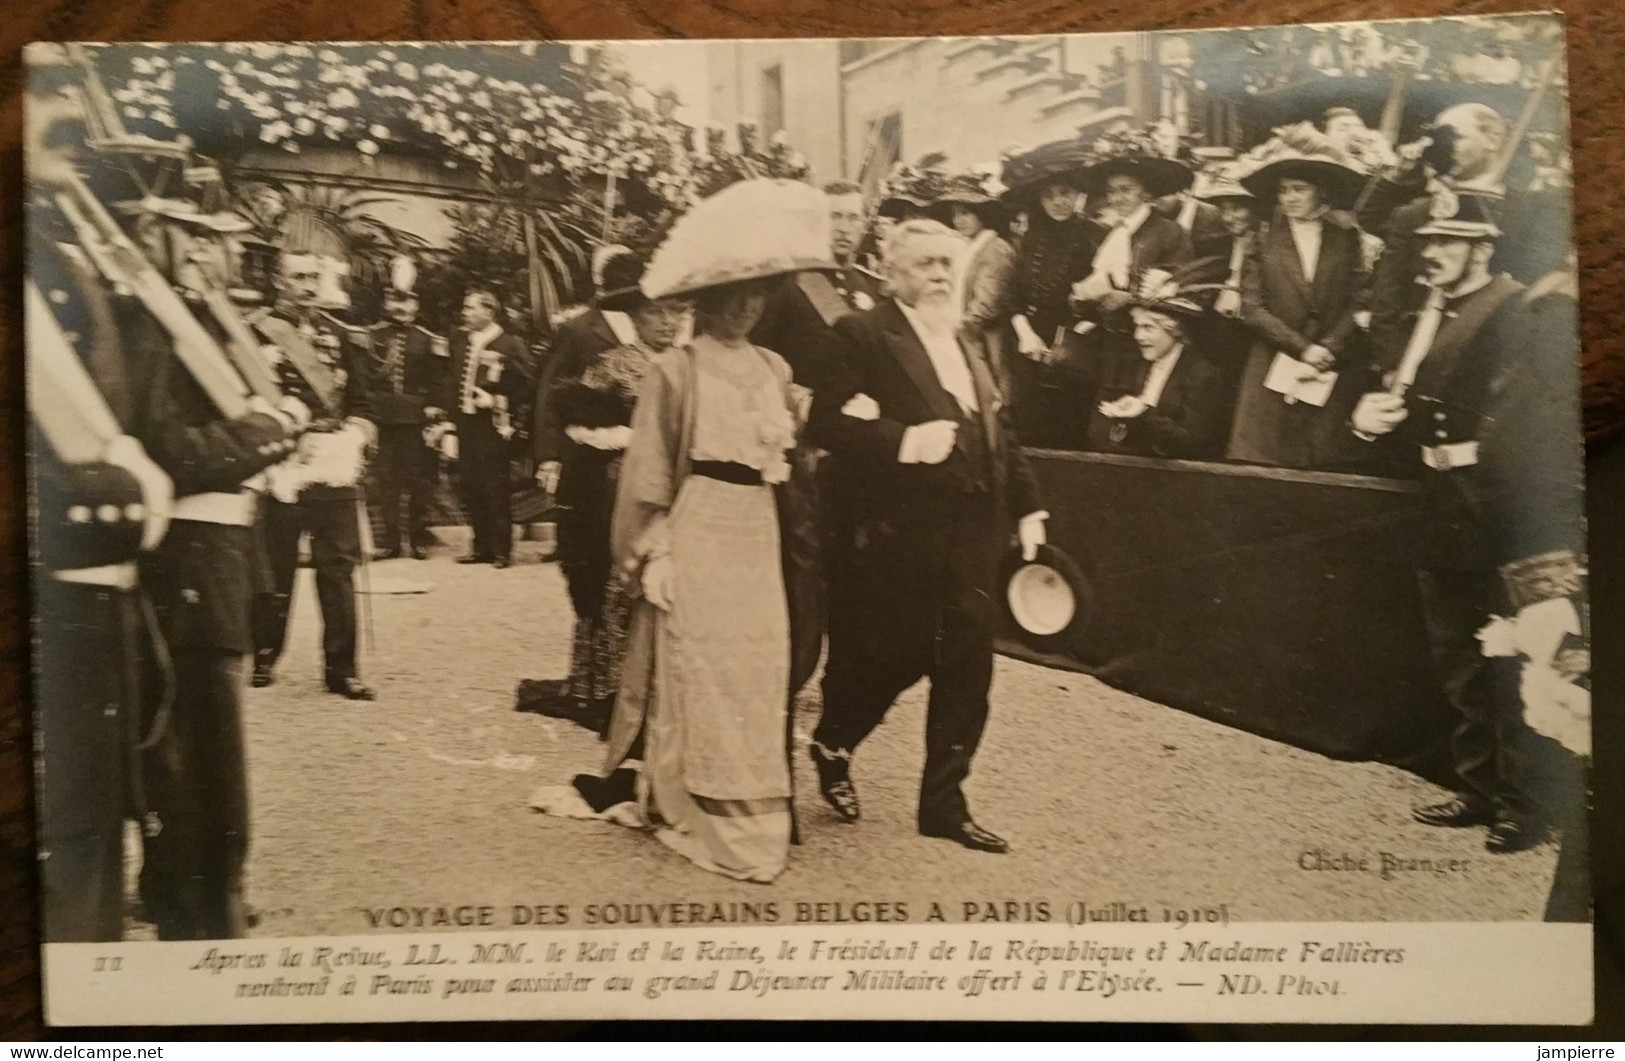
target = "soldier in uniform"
x: 408, y: 363
x: 96, y: 506
x: 333, y: 367
x: 191, y: 788
x: 1449, y: 411
x: 1466, y: 141
x: 489, y: 373
x: 849, y: 222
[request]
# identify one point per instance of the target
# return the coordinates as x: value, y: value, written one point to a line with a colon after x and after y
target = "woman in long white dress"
x: 696, y: 741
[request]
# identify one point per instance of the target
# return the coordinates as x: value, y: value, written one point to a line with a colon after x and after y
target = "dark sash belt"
x: 728, y: 472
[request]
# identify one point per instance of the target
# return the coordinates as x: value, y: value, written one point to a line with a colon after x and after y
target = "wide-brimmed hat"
x: 979, y: 190
x: 1060, y: 160
x: 748, y: 231
x: 1221, y: 183
x: 619, y: 290
x: 1303, y: 152
x: 1463, y: 213
x: 912, y: 189
x: 1131, y: 152
x: 1164, y: 291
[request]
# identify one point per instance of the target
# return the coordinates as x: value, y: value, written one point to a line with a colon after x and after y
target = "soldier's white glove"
x: 659, y: 581
x: 1541, y: 627
x: 257, y: 404
x: 1228, y: 304
x: 296, y: 410
x: 367, y: 429
x: 1377, y: 414
x: 484, y: 399
x: 928, y: 443
x: 157, y: 491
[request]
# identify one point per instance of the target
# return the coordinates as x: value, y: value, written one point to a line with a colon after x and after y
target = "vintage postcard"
x: 810, y: 529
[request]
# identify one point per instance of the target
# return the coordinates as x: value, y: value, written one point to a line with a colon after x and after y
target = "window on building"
x: 882, y: 149
x: 772, y: 99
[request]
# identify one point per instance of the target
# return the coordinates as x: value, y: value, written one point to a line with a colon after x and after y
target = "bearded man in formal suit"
x: 926, y: 481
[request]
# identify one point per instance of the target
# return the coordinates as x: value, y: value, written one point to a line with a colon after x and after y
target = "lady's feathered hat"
x: 1167, y: 292
x: 913, y: 189
x: 1026, y: 173
x: 1303, y: 152
x: 1127, y: 151
x: 977, y: 189
x: 1221, y: 182
x: 748, y: 231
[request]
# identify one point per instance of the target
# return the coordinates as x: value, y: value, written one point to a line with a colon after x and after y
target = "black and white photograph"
x: 788, y: 527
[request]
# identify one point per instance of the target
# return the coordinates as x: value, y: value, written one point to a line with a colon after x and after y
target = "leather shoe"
x: 1509, y: 835
x: 473, y: 558
x: 419, y: 553
x: 501, y: 562
x: 968, y: 834
x: 1455, y: 813
x: 835, y: 783
x: 351, y: 688
x: 262, y: 676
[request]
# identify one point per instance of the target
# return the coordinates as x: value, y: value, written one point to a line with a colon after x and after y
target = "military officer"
x: 331, y: 367
x: 490, y: 374
x: 859, y: 288
x: 408, y: 362
x: 1445, y: 411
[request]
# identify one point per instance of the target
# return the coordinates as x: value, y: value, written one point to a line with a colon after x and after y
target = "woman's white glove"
x: 659, y: 580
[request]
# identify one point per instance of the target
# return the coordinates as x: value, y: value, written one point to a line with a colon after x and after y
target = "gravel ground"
x: 420, y: 799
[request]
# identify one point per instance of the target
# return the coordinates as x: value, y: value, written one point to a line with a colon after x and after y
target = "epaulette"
x: 354, y: 332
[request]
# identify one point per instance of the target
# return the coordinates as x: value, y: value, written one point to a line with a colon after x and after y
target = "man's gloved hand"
x: 928, y: 443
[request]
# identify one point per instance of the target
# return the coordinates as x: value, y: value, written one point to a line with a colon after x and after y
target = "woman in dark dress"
x: 1301, y: 287
x: 1057, y: 246
x: 596, y: 411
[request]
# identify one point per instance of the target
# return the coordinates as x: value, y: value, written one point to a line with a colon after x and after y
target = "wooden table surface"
x: 1596, y: 40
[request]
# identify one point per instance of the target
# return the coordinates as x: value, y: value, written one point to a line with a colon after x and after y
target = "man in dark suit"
x: 927, y: 478
x: 489, y: 373
x: 1451, y: 410
x: 332, y: 368
x: 1166, y: 400
x: 408, y: 362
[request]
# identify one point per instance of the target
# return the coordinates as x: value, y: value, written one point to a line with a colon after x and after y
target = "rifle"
x: 123, y: 265
x: 62, y: 398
